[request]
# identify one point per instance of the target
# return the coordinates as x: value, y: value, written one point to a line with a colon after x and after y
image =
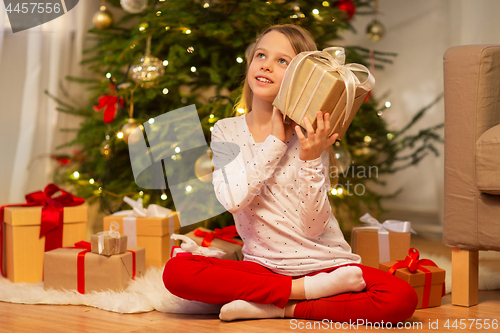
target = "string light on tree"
x: 143, y: 26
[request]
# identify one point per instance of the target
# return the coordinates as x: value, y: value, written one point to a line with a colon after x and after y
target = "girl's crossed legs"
x: 216, y: 281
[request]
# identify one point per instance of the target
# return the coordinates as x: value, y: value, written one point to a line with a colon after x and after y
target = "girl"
x: 297, y: 263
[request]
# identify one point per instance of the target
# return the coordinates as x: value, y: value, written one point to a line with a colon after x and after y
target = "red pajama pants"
x: 218, y: 281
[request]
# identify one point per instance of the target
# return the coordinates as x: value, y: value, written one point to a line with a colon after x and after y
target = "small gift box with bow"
x: 76, y: 268
x: 223, y: 239
x: 189, y: 248
x: 422, y: 274
x: 108, y: 243
x: 150, y: 228
x: 379, y: 242
x: 45, y: 222
x: 320, y: 81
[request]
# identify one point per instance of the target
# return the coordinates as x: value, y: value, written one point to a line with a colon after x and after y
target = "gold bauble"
x: 103, y: 18
x: 147, y: 70
x: 127, y: 129
x: 203, y: 168
x: 343, y: 157
x: 375, y: 30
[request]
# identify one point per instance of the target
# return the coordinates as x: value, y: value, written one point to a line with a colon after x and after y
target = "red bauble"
x: 348, y: 7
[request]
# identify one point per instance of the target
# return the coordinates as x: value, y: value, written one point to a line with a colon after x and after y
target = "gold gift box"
x: 110, y: 246
x: 417, y: 281
x: 24, y: 249
x: 102, y: 273
x: 153, y: 233
x: 365, y: 243
x: 324, y: 91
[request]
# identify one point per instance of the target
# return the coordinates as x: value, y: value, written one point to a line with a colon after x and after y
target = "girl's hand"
x: 278, y: 128
x: 316, y: 142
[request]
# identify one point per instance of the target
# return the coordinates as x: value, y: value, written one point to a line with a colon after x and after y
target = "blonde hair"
x: 300, y: 40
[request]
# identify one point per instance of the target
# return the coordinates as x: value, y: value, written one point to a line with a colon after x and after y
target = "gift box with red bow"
x: 422, y: 274
x: 76, y: 268
x: 45, y: 222
x: 223, y: 239
x: 150, y: 228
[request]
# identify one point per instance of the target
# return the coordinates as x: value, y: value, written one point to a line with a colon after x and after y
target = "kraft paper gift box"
x: 381, y: 242
x: 63, y: 271
x: 152, y: 233
x: 427, y: 279
x: 24, y: 250
x: 320, y: 81
x: 222, y: 239
x: 107, y: 245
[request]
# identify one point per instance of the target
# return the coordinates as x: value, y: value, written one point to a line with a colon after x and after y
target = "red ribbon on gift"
x: 133, y: 263
x: 80, y: 264
x: 413, y: 263
x: 225, y: 233
x: 51, y: 225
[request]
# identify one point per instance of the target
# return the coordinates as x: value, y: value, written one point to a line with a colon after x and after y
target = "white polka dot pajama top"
x: 279, y: 202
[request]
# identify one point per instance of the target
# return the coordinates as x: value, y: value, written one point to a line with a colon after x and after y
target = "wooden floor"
x: 49, y: 318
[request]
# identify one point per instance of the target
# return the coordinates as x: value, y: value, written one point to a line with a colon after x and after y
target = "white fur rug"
x: 148, y: 293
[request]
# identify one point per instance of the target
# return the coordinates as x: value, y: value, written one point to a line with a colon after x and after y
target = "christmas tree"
x: 163, y: 55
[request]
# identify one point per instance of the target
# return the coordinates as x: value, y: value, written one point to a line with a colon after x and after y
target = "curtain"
x: 32, y: 61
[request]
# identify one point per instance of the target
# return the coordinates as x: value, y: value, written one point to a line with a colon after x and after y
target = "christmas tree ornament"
x: 203, y: 167
x: 148, y: 69
x: 110, y: 104
x: 106, y: 148
x: 103, y: 18
x: 343, y: 156
x: 375, y: 30
x: 348, y: 7
x: 129, y: 126
x: 190, y: 49
x: 134, y: 6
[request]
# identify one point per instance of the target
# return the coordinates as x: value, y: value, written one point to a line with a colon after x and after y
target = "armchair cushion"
x: 488, y: 161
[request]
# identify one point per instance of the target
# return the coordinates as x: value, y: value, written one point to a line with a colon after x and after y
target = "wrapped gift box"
x: 430, y: 293
x: 312, y: 83
x: 153, y: 233
x: 365, y: 243
x: 107, y: 245
x: 24, y: 250
x: 99, y: 273
x: 232, y: 249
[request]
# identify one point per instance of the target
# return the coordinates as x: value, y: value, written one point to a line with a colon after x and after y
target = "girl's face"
x: 270, y: 60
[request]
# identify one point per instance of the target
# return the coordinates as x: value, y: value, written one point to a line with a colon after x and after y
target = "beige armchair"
x: 472, y: 162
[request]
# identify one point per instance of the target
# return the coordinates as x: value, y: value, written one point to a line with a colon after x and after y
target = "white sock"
x: 342, y: 280
x: 240, y: 309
